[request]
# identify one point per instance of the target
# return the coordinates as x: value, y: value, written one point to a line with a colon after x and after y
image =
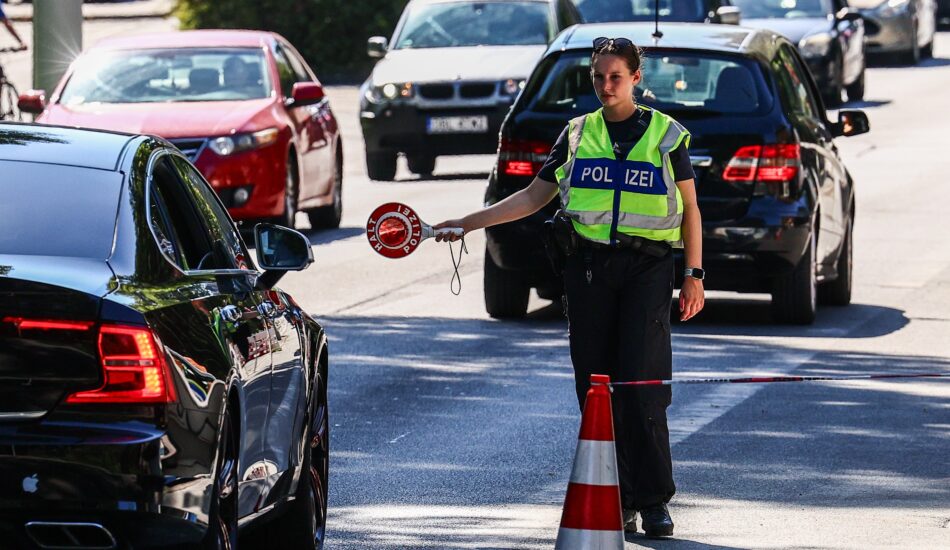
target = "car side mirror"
x: 376, y: 46
x: 729, y: 15
x: 32, y: 101
x: 279, y: 250
x: 849, y: 14
x: 307, y: 93
x: 851, y: 123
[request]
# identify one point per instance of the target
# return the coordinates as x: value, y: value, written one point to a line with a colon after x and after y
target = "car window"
x: 455, y: 24
x: 165, y: 234
x: 793, y: 84
x: 673, y: 81
x: 296, y: 64
x: 285, y: 71
x: 53, y: 210
x: 783, y: 9
x: 601, y: 11
x: 218, y: 223
x: 180, y: 222
x: 163, y: 75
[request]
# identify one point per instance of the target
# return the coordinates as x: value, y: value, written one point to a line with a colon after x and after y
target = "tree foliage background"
x: 331, y: 34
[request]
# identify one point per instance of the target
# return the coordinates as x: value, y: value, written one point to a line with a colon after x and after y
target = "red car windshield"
x: 165, y: 75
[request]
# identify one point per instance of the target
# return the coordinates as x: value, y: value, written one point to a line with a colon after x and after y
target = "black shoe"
x: 630, y: 521
x: 657, y: 522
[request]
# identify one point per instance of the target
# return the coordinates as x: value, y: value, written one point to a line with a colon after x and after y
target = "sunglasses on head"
x: 603, y: 43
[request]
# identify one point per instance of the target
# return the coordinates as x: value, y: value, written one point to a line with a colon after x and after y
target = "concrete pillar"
x: 57, y: 40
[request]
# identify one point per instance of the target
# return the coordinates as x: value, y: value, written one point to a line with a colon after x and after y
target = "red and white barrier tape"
x: 770, y: 379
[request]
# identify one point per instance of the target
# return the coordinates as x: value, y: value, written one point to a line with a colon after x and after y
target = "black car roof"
x: 47, y: 144
x: 698, y: 36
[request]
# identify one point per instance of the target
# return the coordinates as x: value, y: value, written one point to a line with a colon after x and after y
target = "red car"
x: 242, y: 105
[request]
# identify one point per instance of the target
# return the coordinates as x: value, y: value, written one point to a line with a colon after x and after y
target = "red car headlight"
x: 229, y: 145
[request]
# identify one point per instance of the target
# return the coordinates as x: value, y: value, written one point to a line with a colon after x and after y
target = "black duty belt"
x: 629, y: 242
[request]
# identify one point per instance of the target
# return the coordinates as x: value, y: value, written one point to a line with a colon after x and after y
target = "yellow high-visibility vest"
x: 635, y: 196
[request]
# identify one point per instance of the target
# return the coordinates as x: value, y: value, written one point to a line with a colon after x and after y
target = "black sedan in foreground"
x: 777, y: 201
x: 156, y: 389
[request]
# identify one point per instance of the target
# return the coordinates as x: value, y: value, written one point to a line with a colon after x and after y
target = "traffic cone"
x: 592, y: 515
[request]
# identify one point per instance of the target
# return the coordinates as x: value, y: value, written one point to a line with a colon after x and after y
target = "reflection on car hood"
x: 468, y: 63
x: 168, y: 120
x: 793, y: 29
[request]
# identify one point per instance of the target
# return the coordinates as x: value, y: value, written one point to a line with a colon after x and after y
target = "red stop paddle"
x: 395, y: 230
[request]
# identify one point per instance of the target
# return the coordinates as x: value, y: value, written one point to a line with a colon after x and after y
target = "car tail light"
x: 518, y: 157
x: 764, y: 163
x: 47, y: 324
x: 133, y: 368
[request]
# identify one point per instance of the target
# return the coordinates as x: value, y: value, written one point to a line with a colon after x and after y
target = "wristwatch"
x: 695, y: 272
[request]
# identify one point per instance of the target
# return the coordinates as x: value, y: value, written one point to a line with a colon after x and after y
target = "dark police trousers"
x: 618, y: 308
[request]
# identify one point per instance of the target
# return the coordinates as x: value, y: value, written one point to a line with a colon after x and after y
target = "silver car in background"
x: 902, y: 27
x: 447, y: 79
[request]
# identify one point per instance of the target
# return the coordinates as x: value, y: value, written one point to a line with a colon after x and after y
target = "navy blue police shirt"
x: 624, y: 135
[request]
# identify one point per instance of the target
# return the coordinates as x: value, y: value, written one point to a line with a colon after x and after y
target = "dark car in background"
x: 242, y: 105
x: 681, y: 11
x: 777, y: 201
x: 447, y: 79
x: 156, y: 389
x: 829, y: 35
x: 905, y: 28
x: 943, y: 12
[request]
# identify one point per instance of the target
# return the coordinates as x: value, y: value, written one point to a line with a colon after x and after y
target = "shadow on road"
x: 437, y: 178
x: 327, y: 236
x: 866, y: 104
x: 847, y: 444
x: 887, y: 61
x: 680, y: 544
x: 754, y: 317
x: 460, y: 432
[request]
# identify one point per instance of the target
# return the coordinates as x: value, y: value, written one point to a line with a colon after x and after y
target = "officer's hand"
x: 692, y: 298
x: 450, y: 224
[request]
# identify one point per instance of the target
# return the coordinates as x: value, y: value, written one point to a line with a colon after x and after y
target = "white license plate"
x: 457, y: 125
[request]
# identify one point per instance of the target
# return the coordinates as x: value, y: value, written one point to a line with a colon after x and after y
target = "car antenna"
x: 656, y: 20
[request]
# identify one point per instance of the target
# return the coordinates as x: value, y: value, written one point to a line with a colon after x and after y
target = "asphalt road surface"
x: 452, y: 430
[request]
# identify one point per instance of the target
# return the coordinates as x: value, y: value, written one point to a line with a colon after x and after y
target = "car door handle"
x: 231, y: 314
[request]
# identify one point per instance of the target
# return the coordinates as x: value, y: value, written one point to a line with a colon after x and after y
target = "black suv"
x: 776, y: 199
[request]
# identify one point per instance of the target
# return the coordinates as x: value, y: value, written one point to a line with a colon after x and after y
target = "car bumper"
x: 142, y: 482
x: 741, y: 255
x: 128, y: 529
x: 403, y: 127
x: 888, y: 35
x: 261, y: 172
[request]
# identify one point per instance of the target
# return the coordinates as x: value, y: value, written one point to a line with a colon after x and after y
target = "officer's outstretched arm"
x: 523, y: 203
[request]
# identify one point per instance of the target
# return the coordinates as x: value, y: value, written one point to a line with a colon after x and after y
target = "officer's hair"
x: 630, y: 53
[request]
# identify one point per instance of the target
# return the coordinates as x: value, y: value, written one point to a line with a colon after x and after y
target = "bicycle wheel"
x: 8, y: 102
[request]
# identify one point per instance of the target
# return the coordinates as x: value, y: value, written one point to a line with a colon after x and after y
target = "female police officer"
x: 625, y: 180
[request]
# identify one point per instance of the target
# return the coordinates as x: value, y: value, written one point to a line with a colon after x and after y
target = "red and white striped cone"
x: 592, y: 517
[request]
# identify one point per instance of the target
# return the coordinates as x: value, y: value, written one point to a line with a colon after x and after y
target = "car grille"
x: 436, y: 91
x: 480, y: 89
x: 190, y: 147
